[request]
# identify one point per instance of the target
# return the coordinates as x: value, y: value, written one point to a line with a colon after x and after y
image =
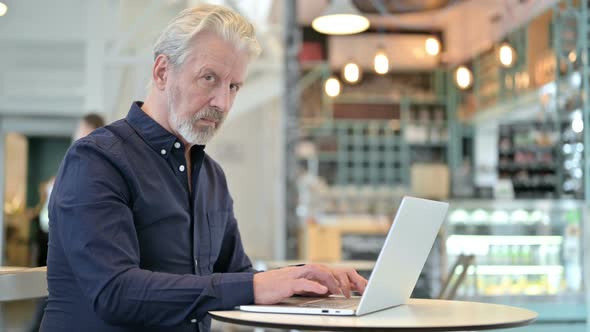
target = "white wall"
x: 249, y: 148
x: 56, y: 20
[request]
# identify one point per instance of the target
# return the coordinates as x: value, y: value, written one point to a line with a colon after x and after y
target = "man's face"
x: 202, y: 90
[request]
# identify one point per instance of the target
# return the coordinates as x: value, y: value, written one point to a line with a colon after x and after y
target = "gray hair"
x: 229, y: 25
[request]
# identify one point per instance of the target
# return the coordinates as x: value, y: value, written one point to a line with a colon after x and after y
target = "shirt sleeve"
x: 92, y: 213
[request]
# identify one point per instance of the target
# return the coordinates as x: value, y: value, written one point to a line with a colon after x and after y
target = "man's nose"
x: 221, y: 99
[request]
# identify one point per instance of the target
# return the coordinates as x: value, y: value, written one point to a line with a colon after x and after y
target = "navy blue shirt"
x: 131, y: 247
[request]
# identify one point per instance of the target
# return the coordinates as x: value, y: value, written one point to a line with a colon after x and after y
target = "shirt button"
x: 163, y: 152
x: 193, y: 320
x: 181, y: 168
x: 177, y: 145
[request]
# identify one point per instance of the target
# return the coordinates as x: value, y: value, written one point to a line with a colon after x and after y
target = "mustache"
x: 210, y: 113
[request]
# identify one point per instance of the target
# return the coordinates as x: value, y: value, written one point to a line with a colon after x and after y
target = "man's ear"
x: 160, y: 71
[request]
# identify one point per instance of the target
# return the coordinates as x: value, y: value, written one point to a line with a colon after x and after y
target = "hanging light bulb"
x: 351, y: 72
x: 381, y: 62
x: 340, y: 18
x: 463, y: 77
x: 3, y: 9
x: 577, y: 123
x: 332, y: 87
x: 572, y: 56
x: 507, y: 55
x: 432, y: 46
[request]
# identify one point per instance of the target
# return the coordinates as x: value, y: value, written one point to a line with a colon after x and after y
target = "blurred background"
x: 482, y: 103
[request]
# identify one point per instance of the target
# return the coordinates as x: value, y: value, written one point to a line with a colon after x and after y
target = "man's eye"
x: 234, y: 87
x: 209, y: 77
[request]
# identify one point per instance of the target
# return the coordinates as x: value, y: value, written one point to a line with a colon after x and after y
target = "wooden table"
x: 417, y: 315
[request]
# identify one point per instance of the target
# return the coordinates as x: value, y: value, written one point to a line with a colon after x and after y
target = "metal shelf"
x: 527, y: 149
x: 382, y: 99
x: 536, y: 166
x: 441, y: 145
x: 505, y: 239
x: 515, y: 270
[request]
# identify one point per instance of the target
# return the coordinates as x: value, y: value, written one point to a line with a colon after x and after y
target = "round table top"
x: 19, y: 283
x: 417, y: 315
x: 12, y: 269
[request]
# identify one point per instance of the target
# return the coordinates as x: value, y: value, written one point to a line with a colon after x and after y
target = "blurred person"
x: 85, y: 126
x: 88, y: 124
x: 143, y: 235
x: 40, y: 223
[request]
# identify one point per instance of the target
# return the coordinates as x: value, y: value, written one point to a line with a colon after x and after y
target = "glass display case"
x: 527, y: 253
x: 528, y: 158
x: 570, y: 110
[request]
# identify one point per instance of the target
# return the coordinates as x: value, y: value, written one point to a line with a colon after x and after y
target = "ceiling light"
x: 381, y: 62
x: 577, y: 125
x: 332, y: 87
x: 463, y: 77
x: 576, y: 80
x: 432, y: 46
x: 3, y: 9
x: 507, y: 55
x: 340, y: 18
x: 351, y: 72
x: 572, y: 56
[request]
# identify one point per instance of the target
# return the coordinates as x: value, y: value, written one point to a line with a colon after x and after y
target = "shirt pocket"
x: 217, y: 221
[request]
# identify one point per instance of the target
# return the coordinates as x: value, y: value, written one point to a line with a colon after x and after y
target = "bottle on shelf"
x: 571, y: 252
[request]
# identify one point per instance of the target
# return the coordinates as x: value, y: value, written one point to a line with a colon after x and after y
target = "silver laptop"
x: 396, y: 271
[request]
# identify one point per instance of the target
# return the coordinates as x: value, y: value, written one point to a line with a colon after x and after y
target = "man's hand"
x: 311, y: 279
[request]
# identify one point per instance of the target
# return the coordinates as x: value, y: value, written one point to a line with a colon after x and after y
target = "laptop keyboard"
x: 332, y: 303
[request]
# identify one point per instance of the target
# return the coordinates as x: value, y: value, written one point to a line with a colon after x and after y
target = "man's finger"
x: 344, y: 283
x: 322, y: 275
x: 303, y: 286
x: 357, y: 281
x: 360, y: 284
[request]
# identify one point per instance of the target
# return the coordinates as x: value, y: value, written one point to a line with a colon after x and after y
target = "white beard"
x: 188, y: 128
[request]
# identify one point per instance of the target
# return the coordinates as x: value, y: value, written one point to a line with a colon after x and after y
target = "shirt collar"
x: 158, y: 138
